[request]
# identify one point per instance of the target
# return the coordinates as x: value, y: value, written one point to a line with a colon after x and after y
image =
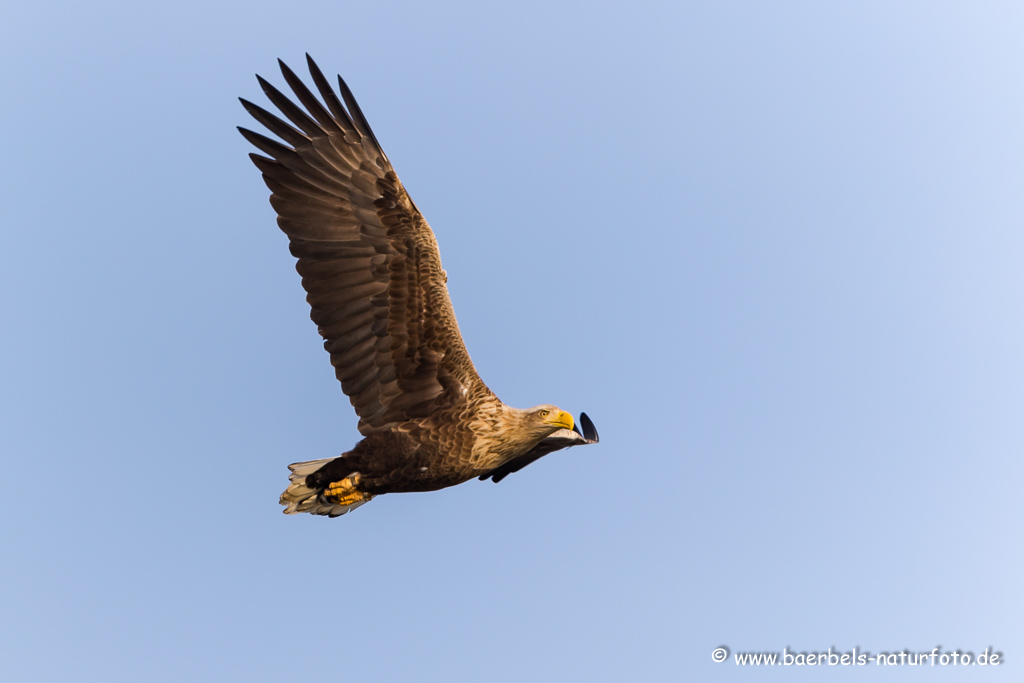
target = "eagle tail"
x: 299, y: 497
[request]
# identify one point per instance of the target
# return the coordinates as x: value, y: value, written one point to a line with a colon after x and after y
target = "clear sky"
x: 774, y: 250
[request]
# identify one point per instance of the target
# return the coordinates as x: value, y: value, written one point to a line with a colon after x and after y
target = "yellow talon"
x: 349, y: 499
x: 344, y: 492
x: 339, y: 487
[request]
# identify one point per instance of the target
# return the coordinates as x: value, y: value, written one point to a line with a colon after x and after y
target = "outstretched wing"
x: 563, y: 438
x: 368, y: 260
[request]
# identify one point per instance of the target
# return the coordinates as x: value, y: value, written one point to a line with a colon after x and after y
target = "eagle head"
x: 549, y: 419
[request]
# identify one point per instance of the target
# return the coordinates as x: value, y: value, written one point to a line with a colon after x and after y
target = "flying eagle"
x: 372, y: 272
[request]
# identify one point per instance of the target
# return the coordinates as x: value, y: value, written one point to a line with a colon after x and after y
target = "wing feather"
x: 323, y: 117
x: 330, y: 97
x: 368, y: 260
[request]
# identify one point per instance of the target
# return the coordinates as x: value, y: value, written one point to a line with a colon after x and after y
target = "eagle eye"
x: 543, y: 413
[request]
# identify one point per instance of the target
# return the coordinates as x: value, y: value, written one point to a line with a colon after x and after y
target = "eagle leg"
x: 344, y: 492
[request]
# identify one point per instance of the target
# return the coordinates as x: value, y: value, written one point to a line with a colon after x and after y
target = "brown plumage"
x: 372, y: 271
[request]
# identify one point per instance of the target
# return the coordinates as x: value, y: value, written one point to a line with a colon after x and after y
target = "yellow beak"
x: 561, y: 419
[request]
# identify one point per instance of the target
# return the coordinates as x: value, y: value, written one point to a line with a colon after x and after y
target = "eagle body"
x: 372, y: 272
x: 432, y: 454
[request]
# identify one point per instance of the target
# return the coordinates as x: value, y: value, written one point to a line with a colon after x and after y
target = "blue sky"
x: 774, y: 250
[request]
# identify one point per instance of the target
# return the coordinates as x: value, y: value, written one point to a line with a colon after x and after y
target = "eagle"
x: 372, y: 272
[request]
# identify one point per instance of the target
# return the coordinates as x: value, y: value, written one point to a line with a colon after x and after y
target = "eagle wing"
x: 563, y: 438
x: 369, y: 261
